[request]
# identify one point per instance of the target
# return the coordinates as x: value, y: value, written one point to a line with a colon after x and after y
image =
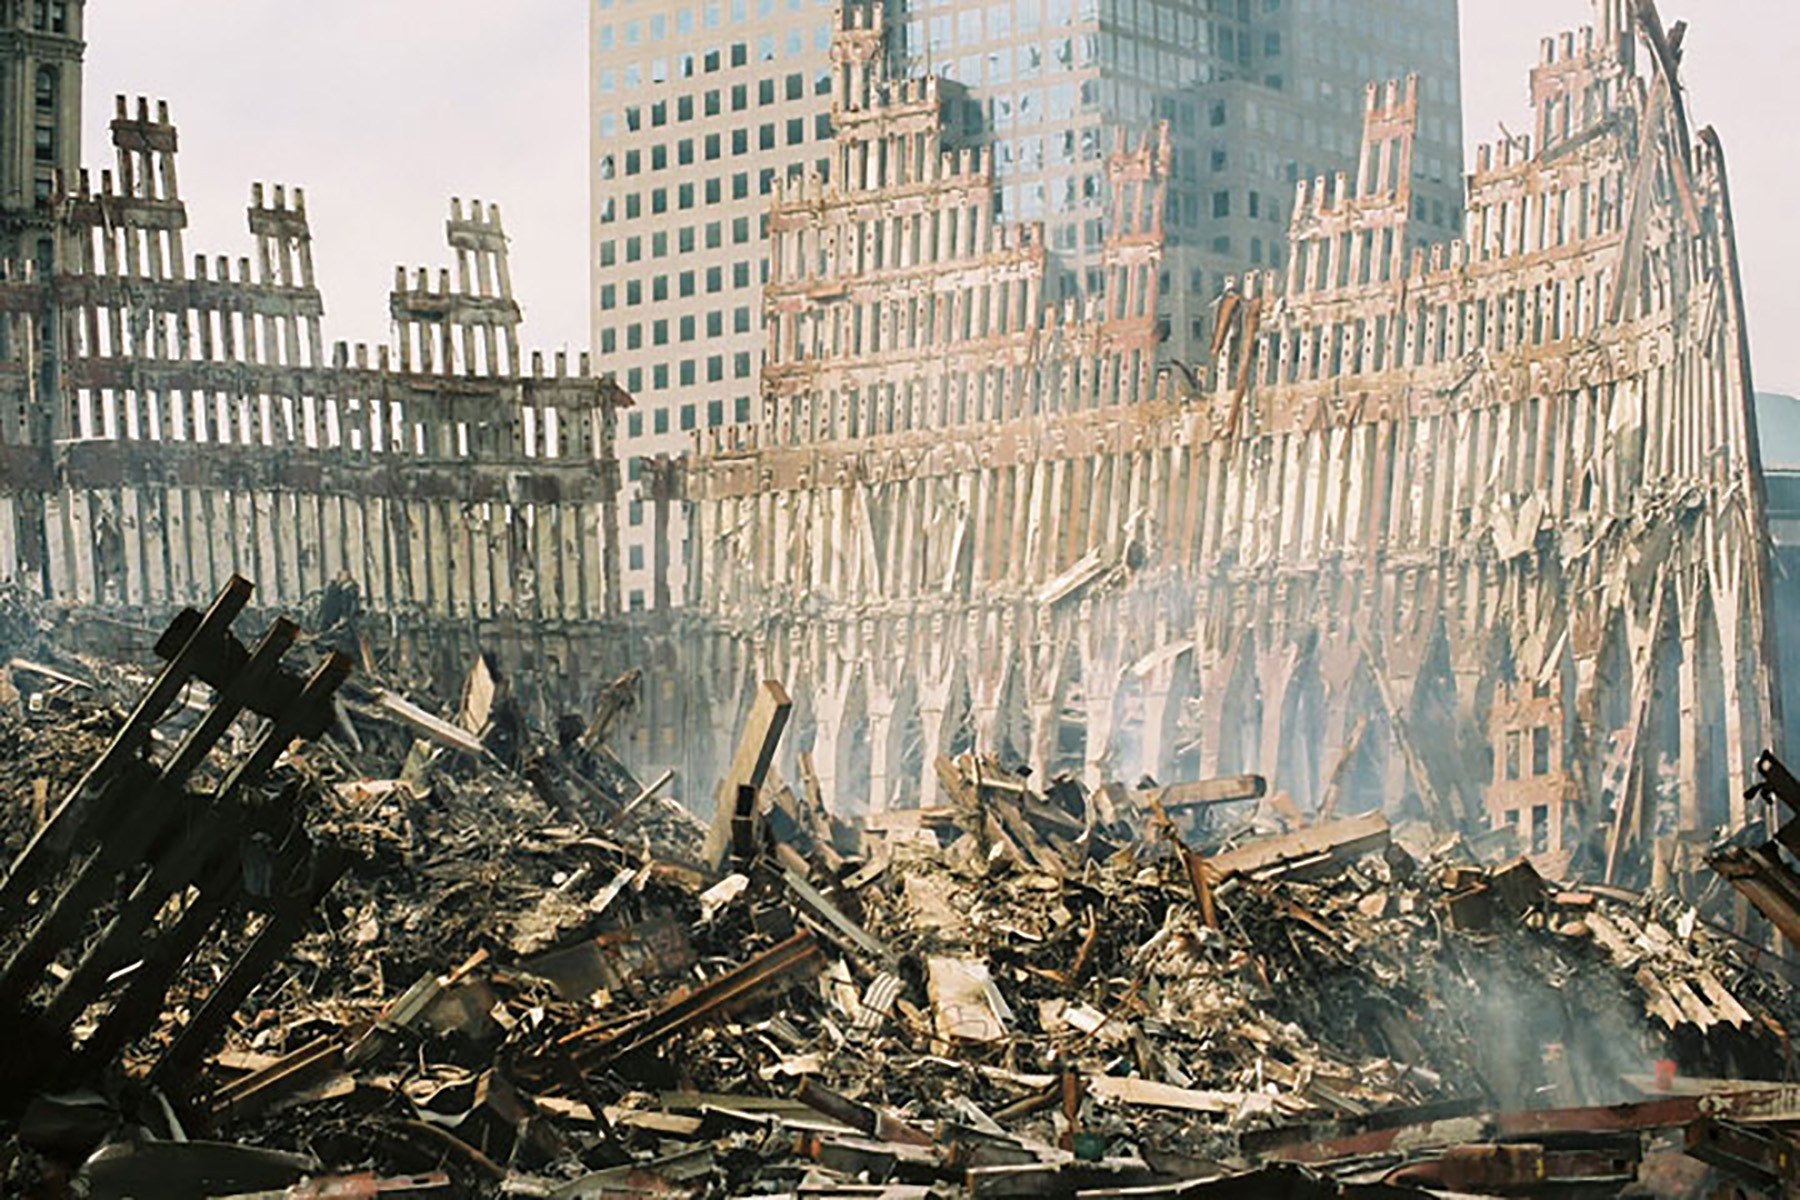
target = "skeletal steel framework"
x: 165, y: 425
x: 1475, y: 527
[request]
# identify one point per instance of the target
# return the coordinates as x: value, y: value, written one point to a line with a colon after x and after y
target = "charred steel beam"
x: 708, y: 1001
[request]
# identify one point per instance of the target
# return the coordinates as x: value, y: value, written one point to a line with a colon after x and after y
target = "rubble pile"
x: 537, y: 977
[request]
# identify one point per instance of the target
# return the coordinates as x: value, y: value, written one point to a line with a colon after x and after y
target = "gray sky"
x: 383, y: 109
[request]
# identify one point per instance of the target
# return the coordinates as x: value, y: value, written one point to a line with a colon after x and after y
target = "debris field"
x: 272, y: 929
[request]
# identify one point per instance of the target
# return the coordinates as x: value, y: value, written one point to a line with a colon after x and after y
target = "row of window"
x: 1024, y: 17
x: 47, y: 16
x: 710, y: 103
x: 634, y: 291
x: 688, y: 415
x: 687, y: 328
x: 688, y: 373
x: 687, y: 239
x: 711, y: 147
x: 687, y: 64
x: 684, y: 21
x: 691, y: 193
x: 1161, y: 23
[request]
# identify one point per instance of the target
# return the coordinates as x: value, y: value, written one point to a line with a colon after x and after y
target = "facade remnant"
x: 166, y: 422
x: 696, y: 109
x: 1479, y: 524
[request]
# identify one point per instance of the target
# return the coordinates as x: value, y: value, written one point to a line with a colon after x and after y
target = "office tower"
x: 697, y: 107
x: 1259, y: 95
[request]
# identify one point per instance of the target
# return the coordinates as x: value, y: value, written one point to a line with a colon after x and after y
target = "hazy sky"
x: 383, y: 109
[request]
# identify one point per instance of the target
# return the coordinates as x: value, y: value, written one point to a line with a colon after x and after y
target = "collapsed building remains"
x: 164, y: 425
x: 1478, y: 524
x: 1471, y: 529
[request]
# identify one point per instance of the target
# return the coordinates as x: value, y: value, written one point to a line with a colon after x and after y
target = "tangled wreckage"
x: 1439, y: 597
x: 349, y: 948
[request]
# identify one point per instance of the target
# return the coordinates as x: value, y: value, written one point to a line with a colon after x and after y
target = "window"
x: 609, y: 296
x: 659, y: 332
x: 1540, y: 750
x: 796, y: 130
x: 684, y: 242
x: 740, y: 97
x: 796, y: 86
x: 741, y: 409
x: 634, y: 383
x: 687, y: 327
x: 637, y: 564
x: 715, y: 412
x: 711, y: 103
x: 659, y: 113
x: 659, y: 381
x: 684, y: 152
x: 740, y: 365
x: 659, y: 200
x: 740, y: 230
x: 659, y: 420
x: 715, y: 280
x: 634, y: 292
x: 659, y: 288
x: 634, y: 427
x: 1512, y: 754
x: 740, y: 141
x: 659, y: 157
x: 740, y: 185
x: 687, y: 373
x: 765, y: 91
x: 687, y: 414
x: 712, y: 146
x: 765, y: 136
x: 686, y: 283
x: 1540, y: 828
x: 715, y: 234
x: 740, y: 274
x: 684, y: 108
x: 684, y: 196
x: 712, y: 190
x: 715, y: 368
x: 715, y: 324
x: 1221, y: 206
x: 634, y: 340
x: 634, y: 162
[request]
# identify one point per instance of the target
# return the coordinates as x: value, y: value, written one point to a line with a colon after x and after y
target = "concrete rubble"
x: 484, y: 960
